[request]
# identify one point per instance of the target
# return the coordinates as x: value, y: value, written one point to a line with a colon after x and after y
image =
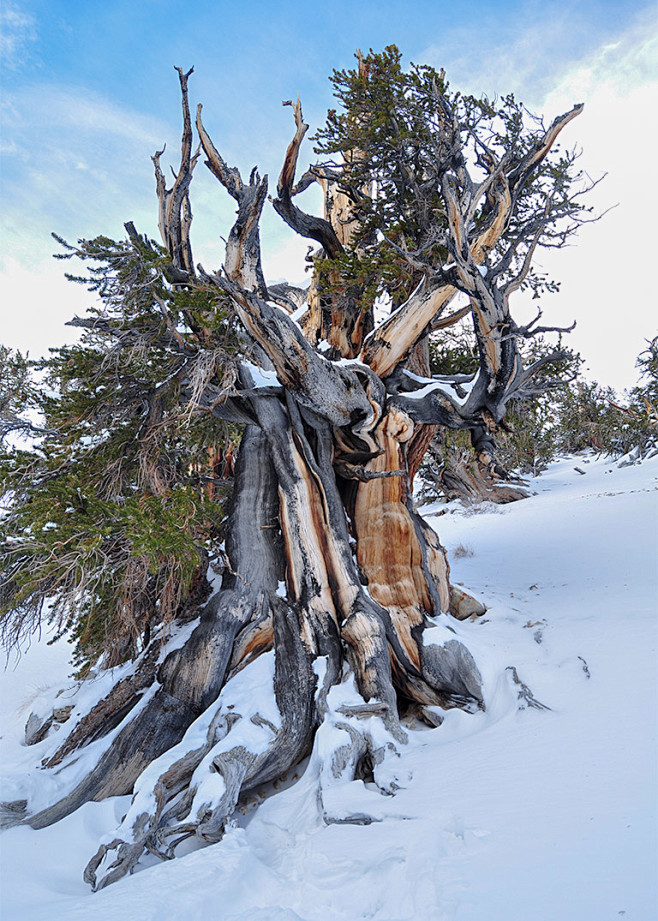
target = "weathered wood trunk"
x: 456, y: 473
x: 329, y: 562
x: 289, y: 525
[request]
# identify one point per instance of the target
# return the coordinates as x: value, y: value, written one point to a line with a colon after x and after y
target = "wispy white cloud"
x: 68, y: 108
x: 629, y: 62
x: 606, y: 277
x: 531, y: 52
x: 79, y: 165
x: 76, y: 159
x: 17, y: 33
x: 65, y: 116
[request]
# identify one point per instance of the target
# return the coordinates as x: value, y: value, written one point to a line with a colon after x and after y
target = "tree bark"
x: 330, y: 563
x: 190, y: 678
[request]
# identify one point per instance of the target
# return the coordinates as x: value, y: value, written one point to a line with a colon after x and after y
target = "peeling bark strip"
x: 388, y: 345
x: 407, y: 573
x: 322, y: 510
x: 388, y: 550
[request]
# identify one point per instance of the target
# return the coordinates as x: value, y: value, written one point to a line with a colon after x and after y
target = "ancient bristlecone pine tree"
x: 329, y: 563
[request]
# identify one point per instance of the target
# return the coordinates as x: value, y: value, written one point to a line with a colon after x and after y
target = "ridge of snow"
x: 261, y: 377
x: 433, y: 385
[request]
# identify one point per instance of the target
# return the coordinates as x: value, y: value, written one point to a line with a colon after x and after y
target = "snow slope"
x: 516, y: 814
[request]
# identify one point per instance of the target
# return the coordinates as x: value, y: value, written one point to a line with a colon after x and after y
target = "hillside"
x: 516, y: 814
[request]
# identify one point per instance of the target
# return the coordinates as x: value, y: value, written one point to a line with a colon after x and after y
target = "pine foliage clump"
x: 114, y: 497
x: 387, y: 145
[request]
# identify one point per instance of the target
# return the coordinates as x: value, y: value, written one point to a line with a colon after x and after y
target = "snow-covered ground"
x: 516, y: 814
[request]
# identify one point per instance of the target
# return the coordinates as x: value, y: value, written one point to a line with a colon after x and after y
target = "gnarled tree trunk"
x: 329, y: 563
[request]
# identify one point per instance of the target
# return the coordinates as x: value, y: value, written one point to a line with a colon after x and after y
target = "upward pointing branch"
x: 243, y: 259
x: 174, y: 209
x: 334, y: 392
x: 307, y: 225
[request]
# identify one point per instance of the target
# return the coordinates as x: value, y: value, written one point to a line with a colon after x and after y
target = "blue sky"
x: 89, y: 93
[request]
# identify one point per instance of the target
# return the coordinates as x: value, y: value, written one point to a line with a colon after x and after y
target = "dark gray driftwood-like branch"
x: 174, y: 209
x: 390, y: 343
x: 307, y: 225
x: 243, y: 259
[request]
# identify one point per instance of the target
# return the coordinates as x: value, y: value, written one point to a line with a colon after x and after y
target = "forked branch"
x: 174, y: 209
x: 390, y: 343
x: 243, y: 258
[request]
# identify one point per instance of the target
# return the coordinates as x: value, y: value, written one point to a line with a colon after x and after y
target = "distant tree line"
x: 567, y: 415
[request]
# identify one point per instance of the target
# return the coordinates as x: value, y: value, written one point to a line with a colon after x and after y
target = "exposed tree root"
x: 241, y: 751
x: 189, y: 755
x: 190, y: 678
x: 109, y: 712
